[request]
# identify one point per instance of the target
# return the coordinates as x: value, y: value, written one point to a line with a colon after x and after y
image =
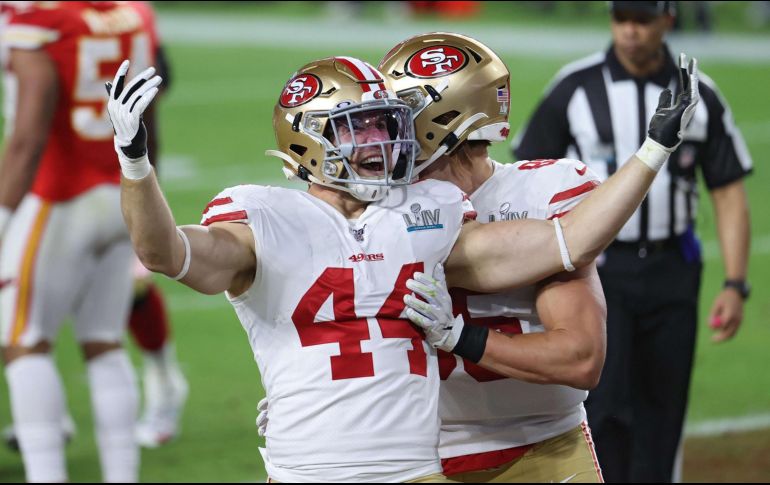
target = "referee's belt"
x: 644, y: 248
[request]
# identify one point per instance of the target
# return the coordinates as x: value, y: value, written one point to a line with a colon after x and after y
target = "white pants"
x: 70, y: 259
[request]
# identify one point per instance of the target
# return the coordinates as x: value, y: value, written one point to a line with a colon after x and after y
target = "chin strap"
x: 449, y: 142
x: 359, y: 191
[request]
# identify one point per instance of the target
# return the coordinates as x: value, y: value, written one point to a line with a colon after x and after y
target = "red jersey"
x: 87, y: 41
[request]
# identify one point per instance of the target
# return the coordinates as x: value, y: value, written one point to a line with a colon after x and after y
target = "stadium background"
x: 230, y: 61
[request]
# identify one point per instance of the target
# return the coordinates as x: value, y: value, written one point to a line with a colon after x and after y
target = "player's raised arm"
x: 496, y: 257
x: 207, y: 259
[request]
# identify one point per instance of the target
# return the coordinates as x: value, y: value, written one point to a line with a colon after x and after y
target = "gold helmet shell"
x: 458, y: 88
x: 325, y: 95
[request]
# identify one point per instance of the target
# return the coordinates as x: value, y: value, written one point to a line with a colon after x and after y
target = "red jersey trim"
x: 558, y: 215
x: 482, y: 461
x: 226, y: 217
x: 574, y: 192
x: 216, y: 202
x: 590, y: 442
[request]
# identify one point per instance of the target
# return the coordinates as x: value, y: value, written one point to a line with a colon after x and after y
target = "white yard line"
x: 738, y: 424
x: 210, y: 29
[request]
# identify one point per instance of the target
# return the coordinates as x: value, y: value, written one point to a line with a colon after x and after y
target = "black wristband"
x: 138, y: 146
x: 472, y: 343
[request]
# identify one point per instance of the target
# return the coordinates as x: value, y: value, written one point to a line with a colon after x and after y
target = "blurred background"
x: 230, y: 61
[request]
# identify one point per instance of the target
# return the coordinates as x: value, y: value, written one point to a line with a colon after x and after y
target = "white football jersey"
x: 352, y: 386
x: 482, y: 411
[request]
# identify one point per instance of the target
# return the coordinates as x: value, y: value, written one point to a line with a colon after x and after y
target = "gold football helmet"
x: 457, y: 88
x: 338, y: 124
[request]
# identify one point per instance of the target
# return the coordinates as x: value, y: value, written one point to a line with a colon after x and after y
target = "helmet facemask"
x: 369, y: 146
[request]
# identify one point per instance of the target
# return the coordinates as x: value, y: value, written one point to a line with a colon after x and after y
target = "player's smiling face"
x: 368, y: 128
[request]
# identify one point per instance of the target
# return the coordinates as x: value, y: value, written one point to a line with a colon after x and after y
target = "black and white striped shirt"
x: 597, y: 112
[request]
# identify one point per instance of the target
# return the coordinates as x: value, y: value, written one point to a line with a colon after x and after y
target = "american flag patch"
x: 502, y: 95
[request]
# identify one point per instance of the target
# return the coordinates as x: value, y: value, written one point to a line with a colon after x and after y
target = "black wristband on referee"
x: 472, y: 343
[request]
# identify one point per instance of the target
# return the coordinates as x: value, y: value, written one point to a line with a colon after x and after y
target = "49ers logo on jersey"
x: 436, y: 61
x: 299, y: 90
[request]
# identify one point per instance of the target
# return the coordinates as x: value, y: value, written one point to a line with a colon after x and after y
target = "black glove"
x: 669, y: 122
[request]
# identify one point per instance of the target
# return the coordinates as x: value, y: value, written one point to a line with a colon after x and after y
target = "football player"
x: 498, y: 423
x: 517, y: 414
x: 165, y: 388
x: 318, y: 278
x: 64, y: 250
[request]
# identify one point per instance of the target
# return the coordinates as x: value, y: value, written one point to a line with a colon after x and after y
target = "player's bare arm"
x: 207, y: 259
x: 571, y: 351
x: 495, y: 257
x: 36, y: 102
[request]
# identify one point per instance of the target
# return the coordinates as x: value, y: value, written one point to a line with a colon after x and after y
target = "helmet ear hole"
x: 298, y: 149
x: 446, y: 118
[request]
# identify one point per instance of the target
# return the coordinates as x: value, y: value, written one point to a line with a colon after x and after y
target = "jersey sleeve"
x: 726, y: 157
x: 31, y: 29
x: 558, y: 186
x: 227, y: 206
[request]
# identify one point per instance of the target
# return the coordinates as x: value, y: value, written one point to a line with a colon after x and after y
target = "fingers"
x: 664, y: 101
x: 694, y: 80
x: 423, y: 286
x: 684, y: 76
x: 262, y: 405
x: 728, y: 331
x: 418, y: 318
x: 137, y: 82
x: 726, y: 316
x: 144, y: 92
x: 120, y: 78
x: 418, y: 305
x: 108, y: 85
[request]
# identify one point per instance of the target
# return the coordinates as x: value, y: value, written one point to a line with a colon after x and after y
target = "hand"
x: 434, y: 312
x: 726, y: 315
x: 669, y: 121
x: 125, y: 106
x: 262, y: 417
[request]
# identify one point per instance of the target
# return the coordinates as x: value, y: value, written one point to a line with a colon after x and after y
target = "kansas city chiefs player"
x: 317, y: 278
x: 65, y: 251
x: 515, y: 412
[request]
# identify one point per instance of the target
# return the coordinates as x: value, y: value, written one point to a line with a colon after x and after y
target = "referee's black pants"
x: 636, y: 413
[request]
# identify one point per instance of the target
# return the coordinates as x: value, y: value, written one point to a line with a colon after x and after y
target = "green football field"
x: 216, y: 125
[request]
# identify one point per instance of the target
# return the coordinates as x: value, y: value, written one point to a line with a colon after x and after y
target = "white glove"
x: 125, y: 106
x: 262, y: 417
x: 434, y: 314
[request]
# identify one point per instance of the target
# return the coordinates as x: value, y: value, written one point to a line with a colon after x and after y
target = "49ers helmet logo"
x: 436, y: 61
x: 299, y: 90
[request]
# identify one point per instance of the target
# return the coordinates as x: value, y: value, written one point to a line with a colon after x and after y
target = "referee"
x: 597, y: 110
